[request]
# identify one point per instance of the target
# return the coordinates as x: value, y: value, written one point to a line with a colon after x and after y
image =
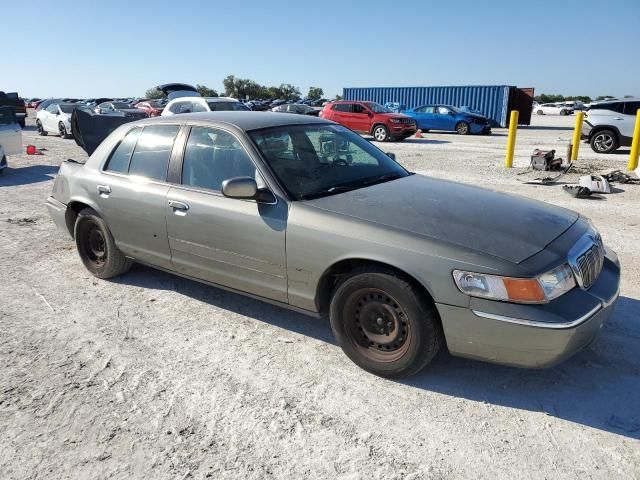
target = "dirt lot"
x: 152, y: 376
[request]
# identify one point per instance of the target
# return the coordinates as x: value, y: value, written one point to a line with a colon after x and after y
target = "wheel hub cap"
x: 380, y: 322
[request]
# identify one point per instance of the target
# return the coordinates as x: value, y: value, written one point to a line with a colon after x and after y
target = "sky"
x: 120, y: 48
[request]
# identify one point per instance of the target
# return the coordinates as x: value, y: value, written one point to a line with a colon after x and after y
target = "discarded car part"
x: 545, y: 160
x: 618, y: 176
x: 89, y: 129
x: 595, y: 183
x: 577, y: 191
x: 550, y: 180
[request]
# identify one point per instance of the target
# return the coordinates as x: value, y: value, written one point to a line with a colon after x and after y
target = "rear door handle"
x: 104, y: 190
x: 179, y: 207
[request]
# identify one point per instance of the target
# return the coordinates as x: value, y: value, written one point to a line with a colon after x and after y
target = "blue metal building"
x: 493, y: 101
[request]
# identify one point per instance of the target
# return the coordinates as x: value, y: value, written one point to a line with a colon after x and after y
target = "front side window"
x: 53, y: 108
x: 319, y: 160
x: 213, y: 156
x: 377, y: 108
x: 151, y: 154
x: 443, y: 110
x: 357, y: 108
x: 119, y: 160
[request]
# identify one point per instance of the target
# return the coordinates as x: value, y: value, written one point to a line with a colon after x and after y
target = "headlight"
x: 541, y: 289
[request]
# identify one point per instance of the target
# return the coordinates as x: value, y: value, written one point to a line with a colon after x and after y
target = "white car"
x: 202, y: 104
x: 185, y: 98
x: 10, y: 136
x: 609, y: 125
x: 553, y: 109
x: 56, y: 118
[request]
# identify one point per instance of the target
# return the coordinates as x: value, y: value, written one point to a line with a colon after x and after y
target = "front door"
x: 445, y: 118
x: 361, y: 118
x: 235, y: 243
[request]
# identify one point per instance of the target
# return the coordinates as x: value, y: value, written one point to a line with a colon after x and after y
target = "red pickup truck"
x: 370, y: 118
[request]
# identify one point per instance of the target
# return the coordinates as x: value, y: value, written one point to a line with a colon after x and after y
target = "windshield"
x: 377, y: 108
x: 318, y: 160
x: 226, y: 106
x: 68, y: 108
x: 120, y: 105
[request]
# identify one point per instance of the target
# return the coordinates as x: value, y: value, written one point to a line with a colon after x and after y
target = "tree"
x: 338, y: 97
x: 206, y: 91
x: 154, y: 93
x: 315, y: 93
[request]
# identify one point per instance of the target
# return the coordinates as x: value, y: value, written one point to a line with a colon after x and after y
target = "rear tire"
x: 540, y: 112
x: 41, y: 130
x: 463, y: 128
x: 62, y: 130
x: 604, y: 141
x: 96, y: 246
x: 380, y: 133
x: 384, y: 324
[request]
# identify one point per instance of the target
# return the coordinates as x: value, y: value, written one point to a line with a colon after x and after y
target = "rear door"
x: 343, y: 114
x: 131, y: 192
x: 235, y: 243
x: 425, y: 117
x: 10, y: 132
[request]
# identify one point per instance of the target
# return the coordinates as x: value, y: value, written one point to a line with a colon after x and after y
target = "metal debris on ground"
x: 617, y: 176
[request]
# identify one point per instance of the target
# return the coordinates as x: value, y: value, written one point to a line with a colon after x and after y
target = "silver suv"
x: 609, y: 125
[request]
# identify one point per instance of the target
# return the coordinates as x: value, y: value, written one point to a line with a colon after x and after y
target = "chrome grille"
x: 589, y: 263
x: 406, y: 121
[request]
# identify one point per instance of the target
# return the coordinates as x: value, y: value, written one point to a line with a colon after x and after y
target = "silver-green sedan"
x: 304, y: 213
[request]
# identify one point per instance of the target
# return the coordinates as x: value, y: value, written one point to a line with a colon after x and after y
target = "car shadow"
x: 599, y: 387
x: 12, y: 177
x: 424, y: 140
x: 543, y: 127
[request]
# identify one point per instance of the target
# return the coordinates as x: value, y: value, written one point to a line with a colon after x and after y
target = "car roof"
x: 244, y: 120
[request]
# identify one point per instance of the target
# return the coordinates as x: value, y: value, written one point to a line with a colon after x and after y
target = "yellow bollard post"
x: 635, y: 144
x: 577, y: 130
x: 511, y: 139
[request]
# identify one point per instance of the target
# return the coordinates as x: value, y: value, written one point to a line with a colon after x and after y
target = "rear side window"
x: 119, y: 160
x: 631, y: 108
x: 342, y: 107
x: 151, y: 154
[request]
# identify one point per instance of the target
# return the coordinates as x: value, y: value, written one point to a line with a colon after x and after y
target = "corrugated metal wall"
x: 491, y: 100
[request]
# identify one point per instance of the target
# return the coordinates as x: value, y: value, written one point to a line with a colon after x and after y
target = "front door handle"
x: 104, y: 190
x: 179, y: 207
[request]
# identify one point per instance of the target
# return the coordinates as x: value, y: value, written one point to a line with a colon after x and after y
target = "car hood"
x: 505, y: 226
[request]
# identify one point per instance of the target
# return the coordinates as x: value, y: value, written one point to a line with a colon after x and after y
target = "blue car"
x: 448, y: 118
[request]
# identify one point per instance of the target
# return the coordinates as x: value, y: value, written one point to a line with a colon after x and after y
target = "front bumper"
x: 402, y: 130
x: 480, y: 129
x: 529, y: 338
x: 58, y: 212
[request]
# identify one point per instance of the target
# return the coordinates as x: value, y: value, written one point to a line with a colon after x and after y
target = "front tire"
x: 463, y: 128
x: 384, y: 324
x: 540, y: 112
x: 62, y: 130
x: 563, y: 112
x: 604, y: 141
x: 380, y: 133
x: 41, y: 131
x: 96, y: 246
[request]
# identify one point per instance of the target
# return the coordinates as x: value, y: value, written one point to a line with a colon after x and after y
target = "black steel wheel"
x: 463, y: 128
x: 96, y: 246
x: 384, y: 323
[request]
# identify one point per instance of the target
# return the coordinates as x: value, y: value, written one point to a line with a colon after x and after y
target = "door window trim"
x: 175, y: 165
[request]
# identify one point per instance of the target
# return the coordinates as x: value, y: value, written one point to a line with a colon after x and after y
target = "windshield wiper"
x: 346, y: 187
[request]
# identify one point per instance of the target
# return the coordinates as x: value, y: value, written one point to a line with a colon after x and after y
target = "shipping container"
x: 493, y: 101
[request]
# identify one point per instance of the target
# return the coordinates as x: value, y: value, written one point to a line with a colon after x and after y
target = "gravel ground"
x: 154, y: 376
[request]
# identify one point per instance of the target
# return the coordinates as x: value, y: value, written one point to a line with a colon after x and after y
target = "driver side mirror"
x: 391, y: 155
x: 246, y: 188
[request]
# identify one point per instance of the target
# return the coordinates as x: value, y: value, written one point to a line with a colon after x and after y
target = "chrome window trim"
x: 548, y: 325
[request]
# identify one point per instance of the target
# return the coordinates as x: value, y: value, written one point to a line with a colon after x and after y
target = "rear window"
x: 151, y: 155
x: 227, y: 106
x: 613, y: 106
x: 119, y: 160
x: 631, y: 108
x: 342, y: 107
